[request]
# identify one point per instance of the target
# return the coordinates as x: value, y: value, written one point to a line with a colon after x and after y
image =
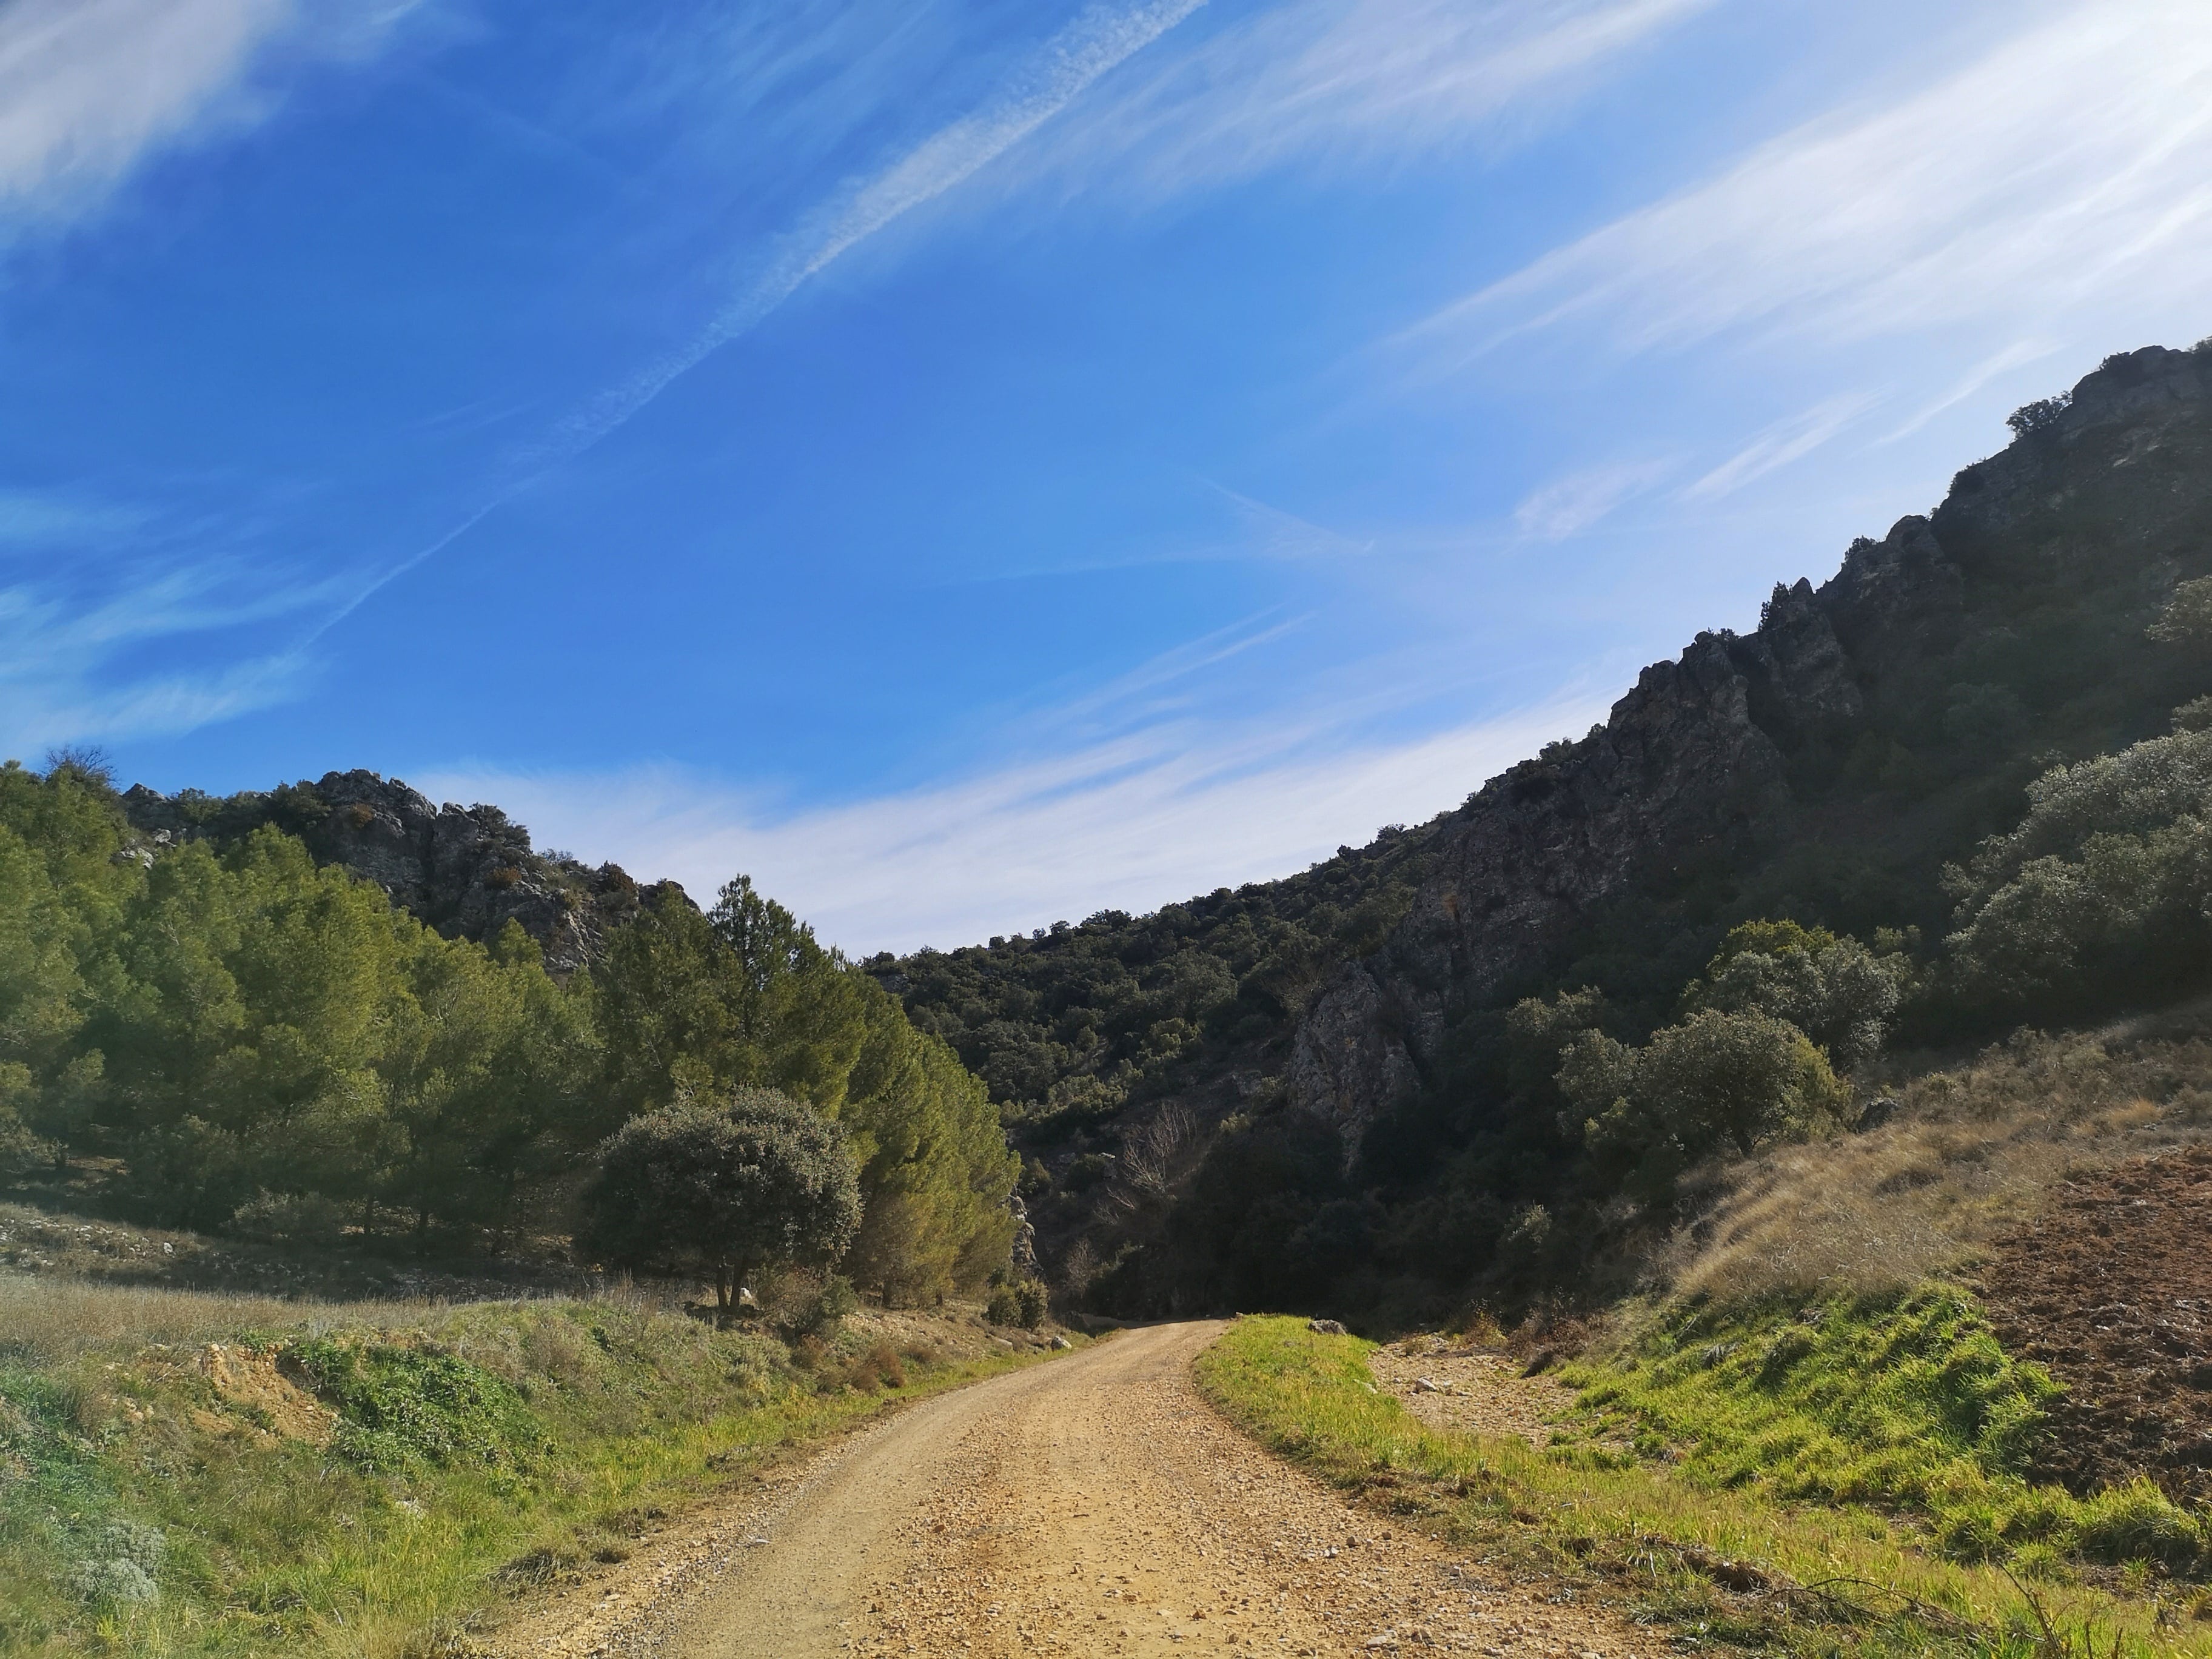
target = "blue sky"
x: 972, y: 464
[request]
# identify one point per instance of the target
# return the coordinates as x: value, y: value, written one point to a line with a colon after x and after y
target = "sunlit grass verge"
x: 1735, y: 1563
x: 1903, y: 1400
x: 323, y: 1483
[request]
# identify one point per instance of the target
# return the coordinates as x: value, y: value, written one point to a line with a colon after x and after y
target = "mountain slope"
x: 1825, y: 767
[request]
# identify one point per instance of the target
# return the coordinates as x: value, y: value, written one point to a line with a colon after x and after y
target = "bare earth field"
x: 2111, y: 1291
x: 1093, y: 1505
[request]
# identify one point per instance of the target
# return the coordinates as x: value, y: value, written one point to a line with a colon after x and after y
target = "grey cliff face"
x: 466, y: 872
x: 1681, y: 770
x: 1693, y: 764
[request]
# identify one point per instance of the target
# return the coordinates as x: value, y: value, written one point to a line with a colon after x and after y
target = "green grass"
x: 1906, y: 1402
x: 1671, y: 1538
x: 474, y: 1449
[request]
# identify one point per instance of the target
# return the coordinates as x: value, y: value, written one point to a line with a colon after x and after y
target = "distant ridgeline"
x: 326, y: 1013
x: 1477, y: 1056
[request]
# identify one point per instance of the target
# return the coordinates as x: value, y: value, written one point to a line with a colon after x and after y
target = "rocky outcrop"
x: 465, y: 870
x: 1681, y: 772
x: 1694, y: 768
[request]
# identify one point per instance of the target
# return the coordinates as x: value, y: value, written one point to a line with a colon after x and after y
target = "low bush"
x: 401, y: 1407
x: 805, y: 1305
x: 1022, y: 1302
x: 876, y: 1367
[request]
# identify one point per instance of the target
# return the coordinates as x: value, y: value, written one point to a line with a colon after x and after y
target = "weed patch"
x: 400, y: 1409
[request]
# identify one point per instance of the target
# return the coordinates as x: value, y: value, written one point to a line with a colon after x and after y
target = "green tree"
x: 487, y: 1081
x: 2186, y: 618
x: 1735, y: 1077
x: 723, y: 1192
x: 1829, y: 986
x: 2105, y: 886
x: 693, y: 1007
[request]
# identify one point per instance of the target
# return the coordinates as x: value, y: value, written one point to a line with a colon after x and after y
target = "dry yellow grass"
x: 56, y: 1319
x: 1970, y: 1152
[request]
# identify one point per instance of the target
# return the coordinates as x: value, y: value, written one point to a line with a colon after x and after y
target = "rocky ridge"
x: 465, y: 870
x: 1716, y: 759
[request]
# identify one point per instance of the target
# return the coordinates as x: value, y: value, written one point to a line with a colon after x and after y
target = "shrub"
x: 403, y: 1407
x: 723, y: 1192
x: 2186, y: 618
x: 290, y: 1218
x: 879, y: 1367
x: 1004, y: 1307
x: 806, y: 1305
x: 1034, y: 1302
x: 2032, y: 420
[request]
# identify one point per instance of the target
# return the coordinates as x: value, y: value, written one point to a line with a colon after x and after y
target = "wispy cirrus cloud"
x: 1097, y: 42
x: 1786, y: 440
x: 1130, y: 823
x: 1567, y: 506
x: 1329, y: 82
x: 89, y: 89
x: 68, y: 639
x: 2068, y: 165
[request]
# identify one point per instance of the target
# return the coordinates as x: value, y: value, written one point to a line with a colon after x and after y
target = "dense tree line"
x: 227, y: 1036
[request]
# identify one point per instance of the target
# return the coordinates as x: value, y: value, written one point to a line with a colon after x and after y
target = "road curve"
x: 1098, y: 1505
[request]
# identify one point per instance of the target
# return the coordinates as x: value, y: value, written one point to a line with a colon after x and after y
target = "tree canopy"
x: 248, y: 1040
x: 723, y: 1190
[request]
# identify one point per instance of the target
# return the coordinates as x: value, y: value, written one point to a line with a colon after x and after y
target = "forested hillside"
x: 1960, y: 786
x: 217, y: 1031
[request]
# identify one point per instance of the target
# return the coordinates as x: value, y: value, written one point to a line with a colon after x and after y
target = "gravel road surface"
x: 1098, y: 1505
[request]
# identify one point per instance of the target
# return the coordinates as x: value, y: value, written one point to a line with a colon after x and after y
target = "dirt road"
x: 1098, y: 1505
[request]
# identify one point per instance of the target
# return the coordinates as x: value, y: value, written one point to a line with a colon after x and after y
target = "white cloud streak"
x: 1128, y: 824
x: 1567, y: 506
x: 2018, y: 355
x: 88, y: 89
x: 2069, y: 164
x: 1323, y: 81
x: 1780, y: 444
x: 1100, y: 40
x: 58, y: 651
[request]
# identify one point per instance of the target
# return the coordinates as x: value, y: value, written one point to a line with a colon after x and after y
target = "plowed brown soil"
x: 2111, y: 1289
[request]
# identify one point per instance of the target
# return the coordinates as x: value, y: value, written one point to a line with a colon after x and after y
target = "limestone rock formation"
x: 465, y: 870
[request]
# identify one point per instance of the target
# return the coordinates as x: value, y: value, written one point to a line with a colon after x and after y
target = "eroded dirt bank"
x: 1094, y: 1505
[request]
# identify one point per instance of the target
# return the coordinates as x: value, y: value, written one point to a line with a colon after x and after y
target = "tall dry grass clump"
x: 1969, y: 1153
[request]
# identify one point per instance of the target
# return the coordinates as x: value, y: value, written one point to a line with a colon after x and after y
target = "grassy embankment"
x: 1816, y: 1402
x: 1810, y: 1516
x: 200, y: 1475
